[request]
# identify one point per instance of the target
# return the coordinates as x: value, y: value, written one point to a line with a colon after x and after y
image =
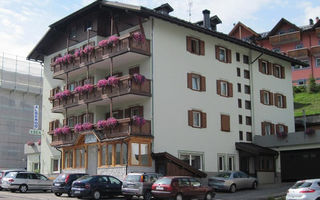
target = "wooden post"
x: 141, y: 27
x: 68, y: 44
x: 88, y: 36
x: 87, y: 72
x: 111, y: 24
x: 111, y: 66
x: 99, y: 155
x: 67, y: 80
x: 74, y: 158
x: 87, y: 112
x: 86, y: 157
x: 111, y: 114
x: 62, y: 159
x: 116, y: 26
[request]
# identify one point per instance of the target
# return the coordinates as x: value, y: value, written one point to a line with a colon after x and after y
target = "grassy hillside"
x: 309, y: 102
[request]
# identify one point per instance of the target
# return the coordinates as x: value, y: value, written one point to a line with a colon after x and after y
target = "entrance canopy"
x: 255, y: 150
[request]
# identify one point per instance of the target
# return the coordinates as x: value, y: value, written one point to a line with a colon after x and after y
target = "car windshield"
x: 11, y: 175
x: 224, y: 175
x: 164, y: 181
x: 61, y: 177
x: 85, y: 178
x: 133, y: 178
x: 301, y: 184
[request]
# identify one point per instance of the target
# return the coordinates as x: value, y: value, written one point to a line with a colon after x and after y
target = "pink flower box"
x: 103, y: 43
x: 87, y: 88
x: 78, y: 128
x: 139, y: 121
x: 57, y: 131
x: 30, y: 143
x: 87, y: 126
x: 138, y: 78
x: 66, y: 130
x: 112, y: 40
x: 102, y: 83
x: 88, y: 49
x: 78, y: 53
x: 113, y: 81
x: 102, y: 124
x: 111, y: 122
x: 138, y: 36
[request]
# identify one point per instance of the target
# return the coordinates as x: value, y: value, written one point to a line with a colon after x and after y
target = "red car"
x: 181, y: 187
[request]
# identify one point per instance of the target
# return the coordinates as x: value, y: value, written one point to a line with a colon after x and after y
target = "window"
x: 140, y: 154
x: 245, y: 59
x: 221, y: 163
x: 239, y: 103
x: 197, y: 119
x: 240, y: 119
x: 267, y: 128
x: 247, y: 89
x: 264, y: 67
x: 114, y: 154
x: 72, y: 86
x: 278, y: 71
x: 239, y: 87
x: 224, y: 88
x: 109, y: 154
x: 280, y: 101
x: 317, y: 62
x: 225, y: 123
x: 246, y: 74
x: 266, y: 163
x: 238, y: 72
x: 266, y: 97
x: 238, y: 57
x: 71, y: 121
x: 299, y: 46
x: 68, y: 159
x: 35, y: 167
x: 196, y: 82
x: 277, y: 49
x: 124, y: 153
x: 80, y: 158
x: 231, y: 163
x: 249, y: 136
x: 103, y: 154
x: 55, y: 165
x: 195, y: 46
x: 240, y: 135
x: 223, y: 54
x: 248, y: 105
x: 193, y: 159
x: 300, y: 67
x: 87, y: 25
x: 248, y: 121
x: 73, y: 32
x: 194, y: 182
x: 114, y: 181
x: 280, y: 128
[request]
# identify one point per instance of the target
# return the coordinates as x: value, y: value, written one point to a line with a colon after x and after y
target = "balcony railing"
x: 126, y: 86
x: 126, y: 44
x: 285, y: 38
x: 126, y: 127
x: 299, y: 53
x: 315, y: 50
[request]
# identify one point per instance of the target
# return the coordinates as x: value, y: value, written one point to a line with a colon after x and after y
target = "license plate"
x: 56, y: 184
x: 77, y: 192
x: 159, y: 188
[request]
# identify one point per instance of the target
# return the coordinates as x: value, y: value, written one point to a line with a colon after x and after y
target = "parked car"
x: 181, y: 187
x: 232, y: 181
x: 139, y: 184
x: 62, y: 184
x: 96, y: 186
x: 24, y: 181
x: 304, y: 190
x: 3, y: 173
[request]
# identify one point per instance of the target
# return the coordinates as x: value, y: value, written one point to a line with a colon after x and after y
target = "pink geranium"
x: 140, y: 121
x: 112, y: 40
x: 39, y: 142
x: 88, y: 49
x: 87, y: 88
x: 30, y: 143
x: 57, y: 131
x: 111, y: 122
x: 79, y: 89
x: 87, y: 126
x: 103, y: 43
x: 78, y: 53
x: 113, y: 81
x: 66, y: 130
x: 78, y: 128
x: 138, y: 78
x: 67, y: 59
x: 58, y: 95
x: 138, y: 36
x: 102, y: 83
x: 66, y: 93
x: 59, y: 60
x: 102, y: 123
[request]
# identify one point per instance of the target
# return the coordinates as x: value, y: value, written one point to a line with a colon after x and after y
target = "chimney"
x: 164, y: 9
x: 310, y: 21
x: 317, y: 19
x: 206, y: 19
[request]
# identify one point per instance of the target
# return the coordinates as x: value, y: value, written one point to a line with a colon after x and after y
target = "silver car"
x: 305, y: 190
x: 3, y: 173
x: 232, y: 181
x: 24, y: 181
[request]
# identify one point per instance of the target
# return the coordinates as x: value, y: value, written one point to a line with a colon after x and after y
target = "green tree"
x: 312, y: 85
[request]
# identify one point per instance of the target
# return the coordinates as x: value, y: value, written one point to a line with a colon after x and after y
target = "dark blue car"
x: 62, y: 184
x: 96, y: 186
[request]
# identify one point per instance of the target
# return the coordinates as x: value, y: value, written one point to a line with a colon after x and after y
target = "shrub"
x: 312, y: 86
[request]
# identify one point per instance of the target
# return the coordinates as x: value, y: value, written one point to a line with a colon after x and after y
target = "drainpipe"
x: 152, y: 81
x: 60, y: 159
x: 253, y: 129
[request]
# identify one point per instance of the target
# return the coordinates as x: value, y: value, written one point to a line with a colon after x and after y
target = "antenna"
x: 189, y: 9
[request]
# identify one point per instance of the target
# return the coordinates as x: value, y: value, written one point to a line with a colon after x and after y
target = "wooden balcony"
x: 127, y: 86
x: 299, y: 53
x: 125, y: 128
x: 318, y: 31
x: 126, y: 48
x: 285, y: 38
x: 315, y: 50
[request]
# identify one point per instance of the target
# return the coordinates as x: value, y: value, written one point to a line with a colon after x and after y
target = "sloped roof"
x: 279, y: 24
x: 255, y: 149
x: 244, y: 26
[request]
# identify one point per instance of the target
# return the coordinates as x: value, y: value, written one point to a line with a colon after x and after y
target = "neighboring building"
x: 302, y: 43
x: 20, y: 90
x: 33, y: 150
x: 204, y: 98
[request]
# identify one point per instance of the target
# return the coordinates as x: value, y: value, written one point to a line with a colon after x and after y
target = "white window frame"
x: 279, y: 75
x: 266, y: 98
x: 224, y: 53
x: 190, y: 154
x: 232, y: 157
x: 264, y: 66
x: 224, y: 85
x: 281, y: 126
x: 196, y: 114
x: 59, y: 163
x: 267, y: 128
x: 318, y: 64
x: 197, y: 82
x: 197, y: 47
x: 223, y: 158
x: 280, y: 101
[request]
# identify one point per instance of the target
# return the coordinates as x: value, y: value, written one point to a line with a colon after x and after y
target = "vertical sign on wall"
x: 36, y: 117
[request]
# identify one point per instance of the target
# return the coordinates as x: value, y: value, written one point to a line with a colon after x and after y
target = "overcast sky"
x: 24, y: 22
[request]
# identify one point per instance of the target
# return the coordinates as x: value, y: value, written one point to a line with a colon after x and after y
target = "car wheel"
x: 147, y: 195
x: 233, y: 188
x: 128, y: 197
x: 179, y: 197
x: 23, y: 188
x: 254, y: 185
x: 208, y: 196
x: 96, y: 194
x: 0, y: 188
x: 58, y: 194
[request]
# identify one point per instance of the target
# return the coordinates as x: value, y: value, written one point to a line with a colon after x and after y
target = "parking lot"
x: 262, y: 193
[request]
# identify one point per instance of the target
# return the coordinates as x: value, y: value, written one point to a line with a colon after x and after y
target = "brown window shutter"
x: 203, y: 120
x: 230, y: 90
x: 52, y: 93
x: 225, y: 123
x: 189, y: 44
x: 275, y: 99
x: 260, y: 65
x: 65, y: 122
x: 263, y: 130
x: 90, y: 117
x: 277, y: 128
x: 217, y: 52
x: 202, y: 48
x: 80, y: 119
x: 127, y: 112
x: 269, y: 68
x: 272, y: 129
x: 229, y: 56
x: 56, y: 124
x: 190, y: 118
x: 189, y: 81
x: 203, y: 83
x: 271, y: 98
x: 218, y: 87
x: 261, y: 96
x: 134, y: 70
x: 284, y: 103
x: 283, y: 75
x: 286, y: 129
x: 51, y: 126
x: 274, y: 69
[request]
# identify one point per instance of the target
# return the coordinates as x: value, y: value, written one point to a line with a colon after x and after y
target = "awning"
x: 255, y: 150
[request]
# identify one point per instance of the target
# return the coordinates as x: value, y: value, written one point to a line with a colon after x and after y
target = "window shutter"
x: 271, y: 98
x: 90, y: 118
x: 229, y: 56
x: 282, y: 72
x: 202, y: 48
x: 189, y: 81
x: 285, y: 129
x: 275, y: 99
x: 263, y: 130
x: 127, y: 112
x: 65, y: 122
x: 277, y: 129
x: 51, y: 126
x: 80, y: 119
x: 230, y: 90
x: 218, y: 87
x: 56, y: 124
x: 269, y: 68
x: 260, y: 65
x: 274, y: 69
x: 190, y: 118
x: 203, y: 83
x: 284, y: 103
x: 261, y: 96
x: 189, y: 44
x: 203, y: 120
x: 217, y: 52
x: 225, y: 123
x: 272, y: 129
x: 52, y: 93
